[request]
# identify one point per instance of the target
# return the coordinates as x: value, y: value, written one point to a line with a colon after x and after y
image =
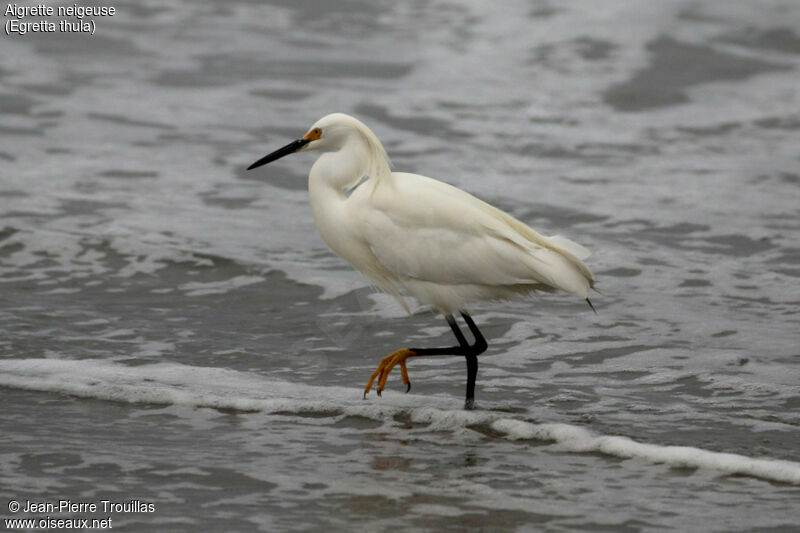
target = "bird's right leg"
x: 470, y: 352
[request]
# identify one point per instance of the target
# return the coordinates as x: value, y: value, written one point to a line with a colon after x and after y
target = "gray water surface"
x: 173, y: 330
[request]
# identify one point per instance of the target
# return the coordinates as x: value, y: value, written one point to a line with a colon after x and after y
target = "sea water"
x: 173, y: 332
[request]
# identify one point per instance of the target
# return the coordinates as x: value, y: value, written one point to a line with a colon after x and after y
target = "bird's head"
x: 329, y: 133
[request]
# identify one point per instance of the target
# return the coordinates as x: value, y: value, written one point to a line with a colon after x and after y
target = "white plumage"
x: 410, y: 234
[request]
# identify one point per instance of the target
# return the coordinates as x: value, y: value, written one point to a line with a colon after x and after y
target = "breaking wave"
x: 176, y: 384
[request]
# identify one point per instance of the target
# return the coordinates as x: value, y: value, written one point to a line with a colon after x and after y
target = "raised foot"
x: 386, y: 366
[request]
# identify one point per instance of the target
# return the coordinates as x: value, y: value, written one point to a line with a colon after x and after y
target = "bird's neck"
x: 341, y: 169
x: 335, y: 172
x: 331, y: 175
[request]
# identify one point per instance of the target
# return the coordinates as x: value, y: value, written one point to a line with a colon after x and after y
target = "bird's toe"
x: 385, y: 367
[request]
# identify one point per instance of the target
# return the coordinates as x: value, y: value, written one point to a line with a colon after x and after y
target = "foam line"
x: 176, y: 384
x: 578, y: 439
x: 161, y: 384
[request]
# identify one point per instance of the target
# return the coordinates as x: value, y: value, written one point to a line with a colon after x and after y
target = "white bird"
x: 413, y: 235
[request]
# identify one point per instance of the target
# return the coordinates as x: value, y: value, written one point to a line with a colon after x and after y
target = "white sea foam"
x: 578, y: 439
x: 169, y: 383
x: 196, y: 288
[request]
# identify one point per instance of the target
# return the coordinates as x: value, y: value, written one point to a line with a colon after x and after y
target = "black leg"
x: 470, y: 352
x: 477, y: 348
x: 472, y: 374
x: 480, y: 343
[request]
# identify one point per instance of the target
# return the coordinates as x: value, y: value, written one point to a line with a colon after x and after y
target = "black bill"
x: 290, y: 148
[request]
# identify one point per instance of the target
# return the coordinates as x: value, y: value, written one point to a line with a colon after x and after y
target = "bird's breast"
x: 335, y: 223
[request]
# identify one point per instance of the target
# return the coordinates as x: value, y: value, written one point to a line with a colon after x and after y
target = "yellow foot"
x: 386, y: 366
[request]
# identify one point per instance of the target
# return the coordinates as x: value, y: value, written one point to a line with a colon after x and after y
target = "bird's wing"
x: 427, y: 230
x: 570, y: 246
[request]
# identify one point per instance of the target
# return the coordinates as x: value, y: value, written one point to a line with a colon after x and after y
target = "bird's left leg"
x: 470, y: 352
x: 399, y: 357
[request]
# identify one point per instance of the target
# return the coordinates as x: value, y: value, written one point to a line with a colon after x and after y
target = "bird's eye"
x: 313, y: 135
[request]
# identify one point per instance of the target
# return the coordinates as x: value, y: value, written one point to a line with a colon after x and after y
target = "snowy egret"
x: 413, y: 235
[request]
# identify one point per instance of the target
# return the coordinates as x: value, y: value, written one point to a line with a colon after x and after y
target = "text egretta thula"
x: 413, y: 235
